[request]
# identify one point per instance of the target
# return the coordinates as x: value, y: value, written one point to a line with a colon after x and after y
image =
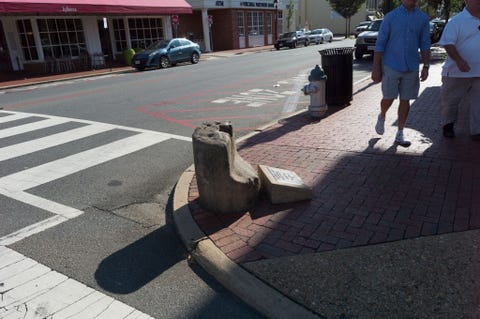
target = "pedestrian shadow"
x: 134, y: 266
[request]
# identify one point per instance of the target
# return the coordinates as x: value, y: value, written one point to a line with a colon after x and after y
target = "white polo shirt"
x: 463, y: 31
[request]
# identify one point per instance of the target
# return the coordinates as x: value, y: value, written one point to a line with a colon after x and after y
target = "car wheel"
x: 358, y: 55
x: 164, y: 62
x: 195, y: 58
x: 294, y: 45
x: 277, y: 47
x: 331, y: 38
x: 321, y: 40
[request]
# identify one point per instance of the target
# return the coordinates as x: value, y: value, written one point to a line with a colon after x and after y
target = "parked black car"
x: 292, y: 40
x: 436, y: 30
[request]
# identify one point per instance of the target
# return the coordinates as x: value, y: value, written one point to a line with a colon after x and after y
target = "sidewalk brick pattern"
x: 367, y: 190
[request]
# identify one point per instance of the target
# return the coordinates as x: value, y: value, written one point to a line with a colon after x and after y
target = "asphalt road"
x: 109, y: 151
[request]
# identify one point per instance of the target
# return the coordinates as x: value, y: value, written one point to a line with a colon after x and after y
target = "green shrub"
x: 128, y: 55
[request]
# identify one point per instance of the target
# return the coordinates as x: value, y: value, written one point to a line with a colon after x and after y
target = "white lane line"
x: 50, y: 171
x: 38, y: 144
x: 31, y: 290
x: 122, y: 127
x: 13, y: 117
x: 31, y: 126
x: 42, y: 203
x: 32, y: 229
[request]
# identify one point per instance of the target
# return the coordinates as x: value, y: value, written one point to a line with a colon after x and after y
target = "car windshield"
x: 158, y: 45
x: 374, y: 25
x: 289, y: 35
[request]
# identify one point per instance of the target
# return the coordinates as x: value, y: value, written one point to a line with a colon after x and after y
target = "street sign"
x: 210, y: 20
x: 175, y: 20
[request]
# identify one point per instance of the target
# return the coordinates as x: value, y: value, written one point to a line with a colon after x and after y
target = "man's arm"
x: 452, y: 52
x: 377, y: 67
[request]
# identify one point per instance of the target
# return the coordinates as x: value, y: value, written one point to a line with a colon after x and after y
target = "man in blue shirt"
x: 396, y: 61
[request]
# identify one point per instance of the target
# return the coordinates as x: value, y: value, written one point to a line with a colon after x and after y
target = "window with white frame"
x: 255, y: 23
x: 240, y: 24
x: 145, y: 31
x: 119, y: 34
x: 27, y: 40
x: 61, y: 37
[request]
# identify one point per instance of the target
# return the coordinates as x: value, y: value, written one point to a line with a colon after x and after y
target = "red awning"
x: 95, y: 6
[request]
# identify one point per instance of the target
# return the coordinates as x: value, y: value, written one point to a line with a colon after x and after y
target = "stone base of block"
x: 283, y: 186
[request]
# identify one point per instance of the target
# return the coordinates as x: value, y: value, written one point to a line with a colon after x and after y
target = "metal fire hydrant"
x: 316, y: 89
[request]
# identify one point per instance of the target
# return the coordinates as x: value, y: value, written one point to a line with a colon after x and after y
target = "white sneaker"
x: 380, y: 126
x: 400, y: 140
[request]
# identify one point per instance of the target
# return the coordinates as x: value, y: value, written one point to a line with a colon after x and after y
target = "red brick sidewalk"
x: 366, y: 189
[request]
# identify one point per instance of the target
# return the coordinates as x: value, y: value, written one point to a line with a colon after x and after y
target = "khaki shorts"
x: 405, y: 84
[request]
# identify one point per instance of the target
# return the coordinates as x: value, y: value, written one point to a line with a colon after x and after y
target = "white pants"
x: 454, y: 90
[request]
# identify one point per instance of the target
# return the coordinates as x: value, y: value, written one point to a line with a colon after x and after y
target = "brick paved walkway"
x: 366, y: 189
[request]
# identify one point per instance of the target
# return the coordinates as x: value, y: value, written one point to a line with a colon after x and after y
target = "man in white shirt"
x: 461, y: 71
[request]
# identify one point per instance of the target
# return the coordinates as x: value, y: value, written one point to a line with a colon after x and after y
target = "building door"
x: 103, y: 31
x: 5, y: 63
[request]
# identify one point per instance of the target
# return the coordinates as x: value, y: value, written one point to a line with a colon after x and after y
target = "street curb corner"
x: 260, y: 296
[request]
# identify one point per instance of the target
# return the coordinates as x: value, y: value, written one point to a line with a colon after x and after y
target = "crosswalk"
x: 29, y: 289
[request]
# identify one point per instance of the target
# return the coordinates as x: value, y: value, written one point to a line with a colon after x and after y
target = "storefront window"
x: 241, y: 24
x: 255, y: 23
x: 61, y: 37
x: 144, y: 32
x: 26, y: 40
x: 120, y: 35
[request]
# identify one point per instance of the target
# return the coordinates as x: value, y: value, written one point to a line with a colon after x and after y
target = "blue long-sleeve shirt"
x: 400, y: 36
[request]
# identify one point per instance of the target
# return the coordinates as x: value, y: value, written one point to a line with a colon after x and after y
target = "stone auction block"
x: 226, y: 182
x: 283, y: 186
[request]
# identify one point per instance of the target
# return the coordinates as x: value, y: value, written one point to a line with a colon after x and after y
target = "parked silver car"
x: 365, y: 43
x: 362, y: 26
x: 318, y: 36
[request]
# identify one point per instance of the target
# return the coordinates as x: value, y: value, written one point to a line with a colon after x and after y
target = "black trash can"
x: 337, y: 63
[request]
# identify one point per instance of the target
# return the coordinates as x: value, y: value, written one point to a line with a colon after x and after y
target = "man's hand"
x: 376, y: 74
x: 462, y: 65
x: 424, y: 74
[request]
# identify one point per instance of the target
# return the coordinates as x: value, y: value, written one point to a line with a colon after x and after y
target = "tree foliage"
x: 290, y: 12
x: 346, y: 8
x: 434, y: 8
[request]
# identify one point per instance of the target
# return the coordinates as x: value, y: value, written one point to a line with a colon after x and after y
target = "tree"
x: 446, y: 7
x: 290, y: 12
x: 346, y: 8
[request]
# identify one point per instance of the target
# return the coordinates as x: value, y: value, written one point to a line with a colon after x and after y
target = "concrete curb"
x: 60, y: 79
x: 243, y: 284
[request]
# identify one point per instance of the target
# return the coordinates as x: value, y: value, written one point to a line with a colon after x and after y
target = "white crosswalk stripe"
x: 29, y: 289
x: 39, y: 144
x: 31, y: 127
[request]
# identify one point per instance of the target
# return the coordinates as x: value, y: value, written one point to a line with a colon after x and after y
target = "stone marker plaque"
x: 284, y: 176
x: 283, y: 186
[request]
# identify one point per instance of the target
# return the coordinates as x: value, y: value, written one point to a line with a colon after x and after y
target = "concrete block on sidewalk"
x: 283, y: 186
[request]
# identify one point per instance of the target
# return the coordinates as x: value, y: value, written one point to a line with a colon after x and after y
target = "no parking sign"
x: 175, y: 20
